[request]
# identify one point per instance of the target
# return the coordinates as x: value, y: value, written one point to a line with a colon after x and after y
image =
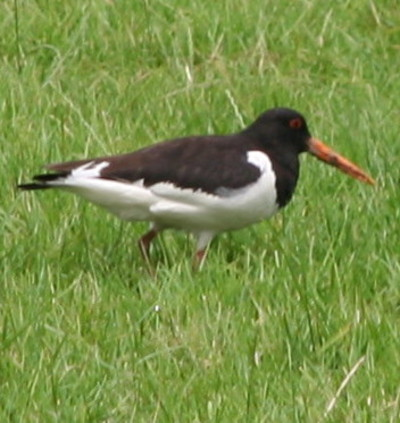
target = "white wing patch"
x: 89, y: 170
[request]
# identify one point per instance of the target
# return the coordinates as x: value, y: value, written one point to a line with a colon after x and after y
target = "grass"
x: 284, y: 311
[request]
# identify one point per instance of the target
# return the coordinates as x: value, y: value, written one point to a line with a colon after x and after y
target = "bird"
x: 204, y: 184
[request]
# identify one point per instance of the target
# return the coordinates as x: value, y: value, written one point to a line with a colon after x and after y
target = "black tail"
x: 29, y: 187
x: 42, y: 181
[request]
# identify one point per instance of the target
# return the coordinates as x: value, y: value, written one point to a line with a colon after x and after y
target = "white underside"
x: 168, y: 206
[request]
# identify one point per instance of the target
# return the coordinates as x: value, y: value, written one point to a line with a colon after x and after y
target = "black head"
x: 281, y: 128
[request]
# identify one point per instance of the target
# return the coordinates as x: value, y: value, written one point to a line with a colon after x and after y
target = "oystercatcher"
x: 201, y: 184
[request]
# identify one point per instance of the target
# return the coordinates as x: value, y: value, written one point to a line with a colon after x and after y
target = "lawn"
x: 296, y: 319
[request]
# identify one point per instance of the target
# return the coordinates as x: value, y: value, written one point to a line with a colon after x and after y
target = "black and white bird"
x: 201, y: 184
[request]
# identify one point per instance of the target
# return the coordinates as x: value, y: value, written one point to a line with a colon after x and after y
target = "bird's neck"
x: 286, y: 168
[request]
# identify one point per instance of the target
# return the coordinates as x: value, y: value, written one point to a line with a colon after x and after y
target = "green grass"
x: 283, y: 311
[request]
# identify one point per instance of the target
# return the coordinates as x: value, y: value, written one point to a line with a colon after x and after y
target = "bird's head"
x: 283, y: 129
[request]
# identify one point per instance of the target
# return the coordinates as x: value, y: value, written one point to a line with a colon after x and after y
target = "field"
x: 296, y: 319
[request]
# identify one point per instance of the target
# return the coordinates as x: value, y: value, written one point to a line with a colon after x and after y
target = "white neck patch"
x: 260, y: 160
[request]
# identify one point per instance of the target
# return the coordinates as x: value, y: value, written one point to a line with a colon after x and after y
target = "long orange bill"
x: 322, y: 152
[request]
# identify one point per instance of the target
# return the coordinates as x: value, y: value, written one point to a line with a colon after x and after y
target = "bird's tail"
x: 44, y: 181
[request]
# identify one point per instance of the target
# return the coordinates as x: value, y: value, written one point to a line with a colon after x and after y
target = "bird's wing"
x: 209, y: 164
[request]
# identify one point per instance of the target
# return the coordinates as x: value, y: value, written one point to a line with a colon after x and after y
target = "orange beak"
x: 322, y: 152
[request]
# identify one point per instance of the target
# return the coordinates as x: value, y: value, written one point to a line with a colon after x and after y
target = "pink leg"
x: 199, y: 258
x: 203, y: 240
x: 145, y: 241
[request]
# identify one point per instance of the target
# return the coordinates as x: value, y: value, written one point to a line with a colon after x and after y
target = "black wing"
x: 200, y: 163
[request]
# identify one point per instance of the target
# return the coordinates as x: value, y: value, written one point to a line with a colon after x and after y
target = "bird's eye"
x: 296, y: 123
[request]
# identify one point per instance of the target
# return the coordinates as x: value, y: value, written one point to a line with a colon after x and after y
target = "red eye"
x: 296, y: 123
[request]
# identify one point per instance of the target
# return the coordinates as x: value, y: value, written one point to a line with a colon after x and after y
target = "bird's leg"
x: 145, y: 241
x: 203, y: 240
x: 199, y: 258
